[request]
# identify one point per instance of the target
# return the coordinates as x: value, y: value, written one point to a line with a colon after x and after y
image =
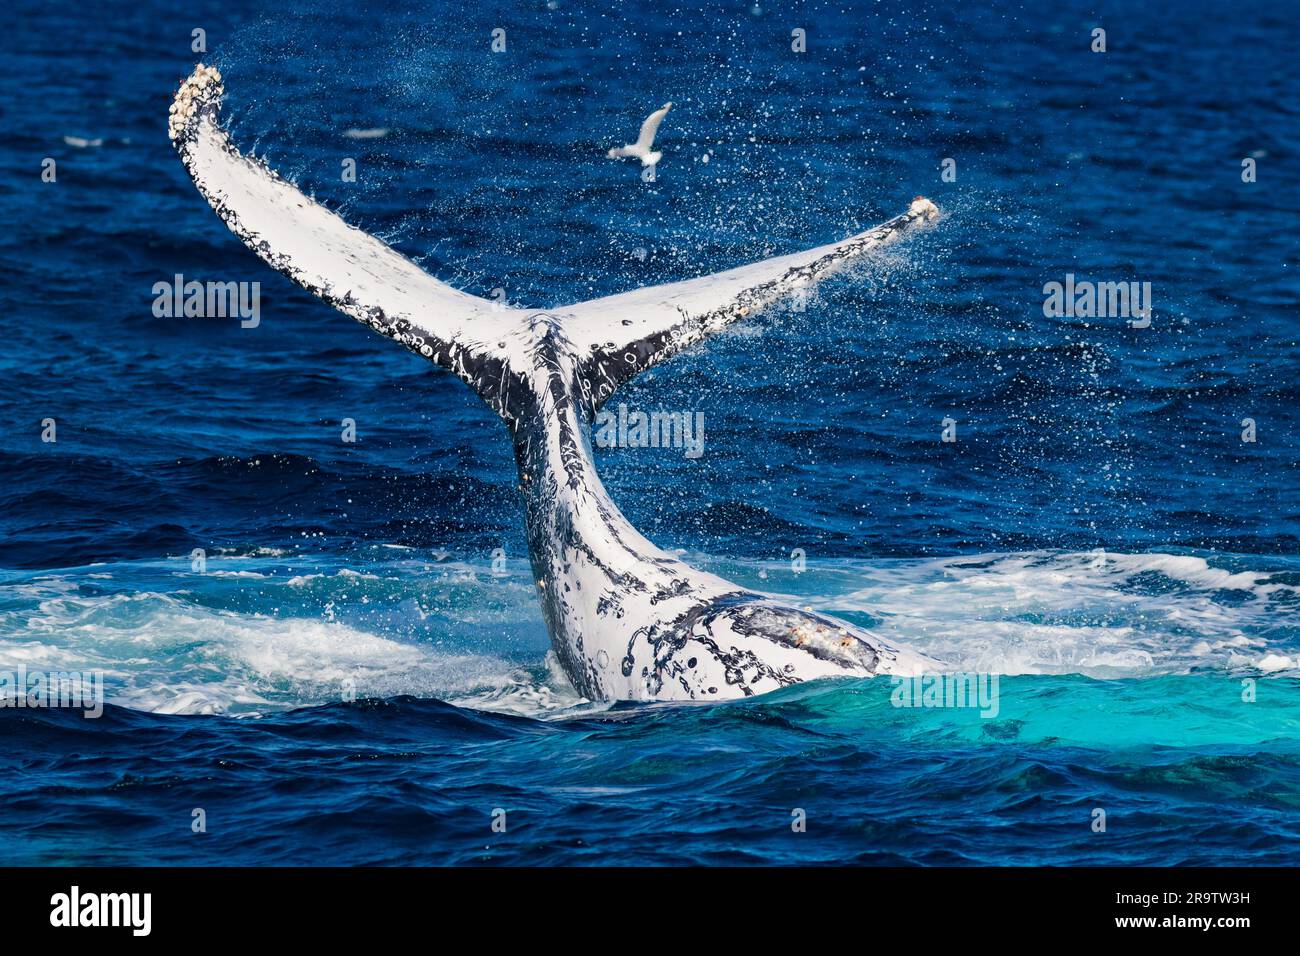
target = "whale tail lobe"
x: 489, y: 346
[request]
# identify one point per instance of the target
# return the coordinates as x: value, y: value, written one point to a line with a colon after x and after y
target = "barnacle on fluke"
x: 202, y: 87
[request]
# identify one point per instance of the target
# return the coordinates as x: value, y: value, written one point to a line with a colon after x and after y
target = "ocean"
x: 322, y: 651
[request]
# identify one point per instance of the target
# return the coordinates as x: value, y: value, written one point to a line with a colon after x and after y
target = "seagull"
x: 641, y: 148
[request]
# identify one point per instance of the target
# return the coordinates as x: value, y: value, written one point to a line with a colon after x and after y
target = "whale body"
x: 627, y: 620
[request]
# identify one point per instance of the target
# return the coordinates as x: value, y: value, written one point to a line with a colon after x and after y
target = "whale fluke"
x: 351, y: 270
x: 626, y: 619
x: 657, y: 322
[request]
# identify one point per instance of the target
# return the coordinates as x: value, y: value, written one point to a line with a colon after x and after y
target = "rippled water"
x: 1099, y: 536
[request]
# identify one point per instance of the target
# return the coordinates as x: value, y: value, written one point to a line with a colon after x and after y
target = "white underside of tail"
x: 627, y: 620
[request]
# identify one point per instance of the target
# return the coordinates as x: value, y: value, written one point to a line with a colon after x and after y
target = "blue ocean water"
x: 1099, y: 536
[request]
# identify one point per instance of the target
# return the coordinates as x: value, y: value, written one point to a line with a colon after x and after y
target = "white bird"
x: 641, y: 148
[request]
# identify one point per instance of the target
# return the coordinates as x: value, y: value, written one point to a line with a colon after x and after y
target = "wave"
x: 261, y: 632
x: 1169, y: 758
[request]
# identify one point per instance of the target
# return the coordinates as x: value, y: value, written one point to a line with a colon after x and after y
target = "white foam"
x: 164, y: 653
x: 1098, y: 613
x: 176, y: 642
x: 1275, y: 662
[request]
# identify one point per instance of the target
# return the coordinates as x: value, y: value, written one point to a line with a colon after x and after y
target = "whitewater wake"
x: 263, y: 632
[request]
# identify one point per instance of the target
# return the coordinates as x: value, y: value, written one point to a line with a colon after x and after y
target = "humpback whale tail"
x: 613, y: 338
x: 626, y: 619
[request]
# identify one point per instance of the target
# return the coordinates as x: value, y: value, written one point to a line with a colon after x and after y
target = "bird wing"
x: 651, y: 126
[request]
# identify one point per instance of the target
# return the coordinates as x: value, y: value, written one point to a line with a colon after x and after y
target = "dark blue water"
x: 1099, y: 534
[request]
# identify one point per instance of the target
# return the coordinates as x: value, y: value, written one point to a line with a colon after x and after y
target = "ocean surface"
x: 357, y: 672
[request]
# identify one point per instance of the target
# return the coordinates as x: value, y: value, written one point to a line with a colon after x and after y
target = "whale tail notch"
x: 486, y: 344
